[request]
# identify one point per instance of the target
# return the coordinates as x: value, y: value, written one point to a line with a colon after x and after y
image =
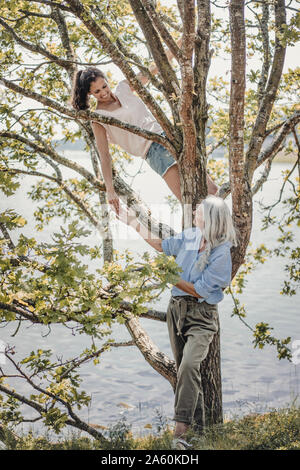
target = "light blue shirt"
x: 217, y: 273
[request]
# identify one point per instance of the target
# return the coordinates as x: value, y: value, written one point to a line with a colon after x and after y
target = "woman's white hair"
x: 218, y: 226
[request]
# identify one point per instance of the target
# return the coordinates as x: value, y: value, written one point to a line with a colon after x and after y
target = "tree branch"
x: 180, y: 6
x: 56, y: 157
x: 124, y: 307
x: 22, y: 399
x: 237, y: 102
x: 142, y: 212
x: 271, y: 150
x: 158, y: 360
x: 163, y: 31
x: 268, y: 99
x: 35, y: 47
x: 240, y: 187
x: 298, y: 146
x: 160, y: 57
x: 286, y: 128
x: 75, y: 422
x: 95, y: 222
x: 33, y: 13
x: 187, y: 86
x: 7, y: 434
x: 166, y: 19
x: 126, y: 193
x: 7, y: 236
x: 21, y: 258
x: 265, y: 174
x: 59, y: 18
x: 264, y: 24
x: 134, y: 59
x: 201, y: 69
x: 52, y: 4
x: 20, y: 311
x: 89, y: 115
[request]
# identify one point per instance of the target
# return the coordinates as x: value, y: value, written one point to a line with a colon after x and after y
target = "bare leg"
x: 172, y: 179
x: 212, y: 188
x: 180, y: 429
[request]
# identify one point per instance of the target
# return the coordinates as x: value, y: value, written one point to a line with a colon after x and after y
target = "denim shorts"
x: 159, y: 158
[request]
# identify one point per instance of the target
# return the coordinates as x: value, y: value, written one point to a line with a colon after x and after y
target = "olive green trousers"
x: 192, y: 326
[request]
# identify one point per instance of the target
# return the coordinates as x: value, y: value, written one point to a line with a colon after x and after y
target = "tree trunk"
x: 192, y: 165
x: 212, y: 382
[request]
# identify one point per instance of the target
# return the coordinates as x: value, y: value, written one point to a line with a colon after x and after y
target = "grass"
x: 275, y: 430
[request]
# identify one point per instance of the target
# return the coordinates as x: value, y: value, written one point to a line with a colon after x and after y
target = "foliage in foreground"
x: 275, y: 430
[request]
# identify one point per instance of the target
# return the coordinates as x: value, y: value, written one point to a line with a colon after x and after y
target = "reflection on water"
x: 123, y: 384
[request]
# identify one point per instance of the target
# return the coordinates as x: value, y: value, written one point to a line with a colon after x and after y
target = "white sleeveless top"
x: 133, y: 111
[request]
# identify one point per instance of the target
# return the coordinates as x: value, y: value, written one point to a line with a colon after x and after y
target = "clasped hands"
x: 124, y: 214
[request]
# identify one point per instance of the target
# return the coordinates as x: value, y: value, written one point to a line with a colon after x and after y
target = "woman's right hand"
x: 113, y: 200
x: 126, y: 215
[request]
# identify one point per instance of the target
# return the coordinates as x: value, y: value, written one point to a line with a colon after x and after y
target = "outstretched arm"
x: 106, y: 166
x: 128, y: 217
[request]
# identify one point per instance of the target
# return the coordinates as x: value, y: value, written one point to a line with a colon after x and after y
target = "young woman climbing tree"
x: 126, y: 106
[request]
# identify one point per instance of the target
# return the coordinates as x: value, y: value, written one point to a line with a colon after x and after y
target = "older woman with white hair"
x: 203, y: 253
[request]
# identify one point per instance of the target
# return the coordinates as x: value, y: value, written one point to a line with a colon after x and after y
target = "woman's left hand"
x: 113, y: 200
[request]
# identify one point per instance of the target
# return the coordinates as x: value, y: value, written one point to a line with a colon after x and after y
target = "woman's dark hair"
x: 81, y: 86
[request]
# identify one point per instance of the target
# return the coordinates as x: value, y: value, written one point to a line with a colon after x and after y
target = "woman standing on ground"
x: 124, y: 105
x: 203, y: 253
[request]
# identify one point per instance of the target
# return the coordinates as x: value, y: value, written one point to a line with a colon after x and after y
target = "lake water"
x: 124, y: 385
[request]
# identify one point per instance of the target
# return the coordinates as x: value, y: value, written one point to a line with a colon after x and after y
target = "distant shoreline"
x: 282, y: 158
